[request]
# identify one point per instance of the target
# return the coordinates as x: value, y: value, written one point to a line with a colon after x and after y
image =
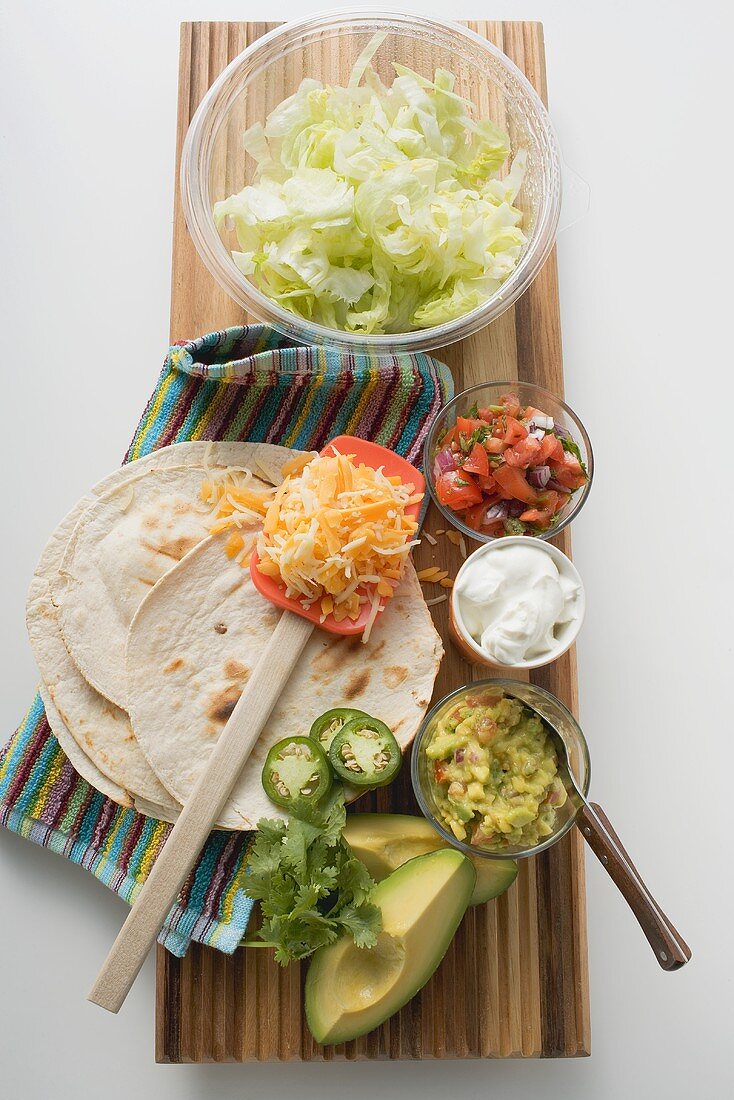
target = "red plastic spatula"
x: 371, y: 454
x: 232, y: 750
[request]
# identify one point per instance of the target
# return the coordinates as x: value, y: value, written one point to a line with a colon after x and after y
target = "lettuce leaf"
x: 377, y: 209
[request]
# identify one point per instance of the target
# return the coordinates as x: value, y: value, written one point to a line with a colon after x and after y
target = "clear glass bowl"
x: 489, y: 393
x: 548, y: 707
x: 214, y: 164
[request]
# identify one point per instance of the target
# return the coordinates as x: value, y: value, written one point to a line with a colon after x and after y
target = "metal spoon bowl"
x: 574, y: 771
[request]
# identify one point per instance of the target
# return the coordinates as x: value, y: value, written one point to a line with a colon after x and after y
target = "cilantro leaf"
x: 572, y: 447
x: 310, y: 886
x: 362, y: 922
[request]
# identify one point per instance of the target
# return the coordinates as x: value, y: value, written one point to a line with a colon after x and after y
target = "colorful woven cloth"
x: 245, y: 383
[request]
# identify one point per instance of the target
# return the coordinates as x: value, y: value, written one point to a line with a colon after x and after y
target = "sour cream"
x: 520, y: 601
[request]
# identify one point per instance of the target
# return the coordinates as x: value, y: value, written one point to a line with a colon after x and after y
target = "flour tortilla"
x: 127, y: 540
x: 95, y: 735
x: 91, y: 733
x: 196, y: 638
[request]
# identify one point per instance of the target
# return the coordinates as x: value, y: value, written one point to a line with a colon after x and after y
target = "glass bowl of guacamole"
x: 484, y: 768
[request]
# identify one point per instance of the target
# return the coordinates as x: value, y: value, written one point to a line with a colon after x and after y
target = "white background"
x: 639, y: 93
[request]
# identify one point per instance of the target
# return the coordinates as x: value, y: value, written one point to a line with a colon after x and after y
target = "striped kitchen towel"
x: 246, y: 383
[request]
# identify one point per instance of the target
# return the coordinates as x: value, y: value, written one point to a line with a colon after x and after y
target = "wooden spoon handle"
x: 189, y: 834
x: 670, y: 949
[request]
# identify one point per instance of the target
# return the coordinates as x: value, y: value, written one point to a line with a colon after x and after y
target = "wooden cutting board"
x: 515, y: 980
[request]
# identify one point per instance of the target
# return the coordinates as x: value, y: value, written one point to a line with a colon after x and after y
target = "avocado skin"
x: 424, y: 944
x: 372, y: 838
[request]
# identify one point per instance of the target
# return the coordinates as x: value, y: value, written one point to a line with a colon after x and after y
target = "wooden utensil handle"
x: 198, y: 816
x: 670, y: 949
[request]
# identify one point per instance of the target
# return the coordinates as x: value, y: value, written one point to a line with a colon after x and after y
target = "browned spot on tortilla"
x: 220, y: 628
x: 357, y: 683
x: 175, y: 549
x: 146, y: 581
x: 150, y: 521
x: 235, y: 670
x: 377, y: 650
x: 175, y: 664
x: 355, y: 643
x: 394, y: 676
x: 223, y: 703
x: 330, y: 657
x: 181, y: 507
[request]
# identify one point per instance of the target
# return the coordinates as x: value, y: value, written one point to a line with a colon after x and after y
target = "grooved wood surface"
x: 514, y: 982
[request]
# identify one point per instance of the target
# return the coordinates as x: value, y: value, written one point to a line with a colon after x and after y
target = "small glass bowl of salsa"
x: 508, y: 458
x: 483, y: 769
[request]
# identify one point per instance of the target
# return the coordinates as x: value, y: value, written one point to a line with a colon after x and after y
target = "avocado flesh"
x: 352, y: 990
x: 384, y: 842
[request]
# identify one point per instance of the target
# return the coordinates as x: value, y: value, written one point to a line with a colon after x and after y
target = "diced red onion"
x: 557, y: 487
x: 444, y: 462
x: 561, y: 432
x: 535, y: 432
x: 516, y: 508
x: 497, y: 511
x: 459, y: 756
x: 539, y: 477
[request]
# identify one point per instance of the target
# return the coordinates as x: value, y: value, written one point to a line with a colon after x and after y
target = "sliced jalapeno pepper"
x: 328, y: 725
x: 364, y: 753
x: 296, y: 771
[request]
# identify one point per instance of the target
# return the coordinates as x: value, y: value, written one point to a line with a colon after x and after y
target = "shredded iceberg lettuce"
x: 376, y: 209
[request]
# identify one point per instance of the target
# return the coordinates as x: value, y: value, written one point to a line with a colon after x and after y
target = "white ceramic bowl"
x: 567, y: 632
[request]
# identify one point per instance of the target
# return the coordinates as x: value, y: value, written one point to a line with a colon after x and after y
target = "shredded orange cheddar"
x: 338, y: 533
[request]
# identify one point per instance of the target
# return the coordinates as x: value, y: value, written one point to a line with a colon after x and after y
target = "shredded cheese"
x: 337, y: 533
x: 436, y: 600
x: 233, y: 505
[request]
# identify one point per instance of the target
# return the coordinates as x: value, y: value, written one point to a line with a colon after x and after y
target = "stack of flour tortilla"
x: 145, y: 632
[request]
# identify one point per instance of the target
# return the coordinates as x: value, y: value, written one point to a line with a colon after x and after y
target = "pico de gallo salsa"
x: 507, y: 469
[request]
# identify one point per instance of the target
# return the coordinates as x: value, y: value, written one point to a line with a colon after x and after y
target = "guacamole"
x: 493, y: 772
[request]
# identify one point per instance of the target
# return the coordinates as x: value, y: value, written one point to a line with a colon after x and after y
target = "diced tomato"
x: 551, y: 450
x: 511, y: 404
x: 530, y: 413
x: 439, y: 771
x: 568, y: 474
x: 466, y: 425
x: 448, y: 437
x: 487, y: 484
x: 515, y: 431
x: 496, y: 527
x: 458, y: 490
x: 543, y: 514
x: 524, y: 453
x: 494, y: 446
x: 477, y: 462
x: 514, y: 486
x: 473, y: 516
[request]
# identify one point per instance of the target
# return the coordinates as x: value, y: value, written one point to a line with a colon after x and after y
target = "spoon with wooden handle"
x: 670, y: 948
x: 232, y: 750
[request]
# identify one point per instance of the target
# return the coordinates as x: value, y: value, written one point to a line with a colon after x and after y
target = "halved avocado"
x: 385, y: 842
x: 352, y: 990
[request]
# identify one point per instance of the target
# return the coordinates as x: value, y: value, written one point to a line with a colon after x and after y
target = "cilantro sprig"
x: 573, y: 448
x: 310, y: 886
